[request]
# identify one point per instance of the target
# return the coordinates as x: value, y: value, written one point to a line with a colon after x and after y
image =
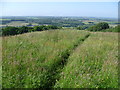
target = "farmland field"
x: 17, y: 23
x: 60, y: 58
x: 57, y: 21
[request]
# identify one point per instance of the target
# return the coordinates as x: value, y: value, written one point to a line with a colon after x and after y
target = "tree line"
x: 9, y: 30
x: 102, y: 26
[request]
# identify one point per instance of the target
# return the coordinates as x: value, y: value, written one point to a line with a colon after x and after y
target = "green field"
x: 93, y: 64
x: 0, y: 62
x: 60, y: 58
x: 17, y: 23
x: 4, y: 19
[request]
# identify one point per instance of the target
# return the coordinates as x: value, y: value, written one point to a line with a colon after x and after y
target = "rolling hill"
x: 60, y: 58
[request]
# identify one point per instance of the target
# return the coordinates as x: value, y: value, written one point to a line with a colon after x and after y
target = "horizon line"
x: 55, y: 16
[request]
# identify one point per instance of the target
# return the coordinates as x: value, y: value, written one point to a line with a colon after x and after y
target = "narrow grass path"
x: 54, y: 72
x: 94, y: 64
x: 60, y: 59
x: 34, y: 60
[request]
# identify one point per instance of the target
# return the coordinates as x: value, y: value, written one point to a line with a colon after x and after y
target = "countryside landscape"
x: 59, y: 51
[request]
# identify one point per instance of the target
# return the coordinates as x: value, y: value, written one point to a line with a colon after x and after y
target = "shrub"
x: 37, y: 28
x: 24, y: 29
x: 82, y: 27
x: 99, y: 27
x: 114, y: 29
x: 9, y: 31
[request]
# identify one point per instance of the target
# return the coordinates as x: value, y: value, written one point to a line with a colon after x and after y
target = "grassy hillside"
x: 33, y: 59
x: 60, y: 58
x: 93, y: 64
x: 0, y: 62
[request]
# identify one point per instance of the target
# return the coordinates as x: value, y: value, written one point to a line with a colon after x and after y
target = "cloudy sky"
x: 92, y: 8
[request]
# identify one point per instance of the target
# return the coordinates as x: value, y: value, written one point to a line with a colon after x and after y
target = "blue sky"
x: 92, y: 9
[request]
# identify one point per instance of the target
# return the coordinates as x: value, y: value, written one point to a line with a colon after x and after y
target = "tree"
x: 113, y: 29
x: 9, y: 31
x: 82, y: 27
x: 23, y: 29
x: 37, y: 28
x: 99, y: 27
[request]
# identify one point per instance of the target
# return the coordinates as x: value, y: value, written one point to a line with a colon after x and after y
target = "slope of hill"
x: 30, y: 60
x: 60, y: 58
x: 93, y: 64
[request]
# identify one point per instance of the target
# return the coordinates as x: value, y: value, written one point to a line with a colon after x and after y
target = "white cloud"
x: 59, y: 0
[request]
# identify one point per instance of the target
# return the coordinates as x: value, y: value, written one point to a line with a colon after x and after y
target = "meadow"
x: 31, y: 60
x: 60, y: 58
x: 92, y: 64
x: 0, y: 62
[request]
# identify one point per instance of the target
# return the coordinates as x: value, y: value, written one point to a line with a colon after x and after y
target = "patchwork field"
x: 17, y: 23
x: 60, y: 58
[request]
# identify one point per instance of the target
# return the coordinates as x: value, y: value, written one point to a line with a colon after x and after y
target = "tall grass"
x: 93, y: 64
x: 0, y: 62
x: 29, y: 59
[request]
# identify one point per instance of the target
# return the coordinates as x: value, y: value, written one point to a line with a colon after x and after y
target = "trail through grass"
x: 60, y: 59
x: 93, y: 64
x: 31, y: 60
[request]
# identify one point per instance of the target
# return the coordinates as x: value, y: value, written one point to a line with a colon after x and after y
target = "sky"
x: 59, y: 0
x: 72, y: 8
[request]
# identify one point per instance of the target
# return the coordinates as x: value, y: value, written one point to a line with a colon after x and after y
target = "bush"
x: 37, y: 28
x: 9, y: 31
x: 115, y: 29
x: 52, y: 27
x: 24, y: 29
x: 99, y: 27
x: 82, y: 27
